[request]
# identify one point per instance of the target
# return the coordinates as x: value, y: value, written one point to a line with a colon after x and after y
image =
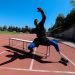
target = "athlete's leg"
x: 55, y: 44
x: 31, y: 46
x: 62, y: 59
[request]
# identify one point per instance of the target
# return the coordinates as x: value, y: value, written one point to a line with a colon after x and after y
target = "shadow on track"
x: 20, y: 54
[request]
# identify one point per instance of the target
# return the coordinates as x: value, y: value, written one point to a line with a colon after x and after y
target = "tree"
x: 59, y: 23
x: 70, y: 19
x: 10, y: 28
x: 4, y: 28
x: 72, y: 2
x: 1, y: 28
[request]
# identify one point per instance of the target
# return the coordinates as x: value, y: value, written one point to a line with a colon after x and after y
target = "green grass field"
x: 7, y: 32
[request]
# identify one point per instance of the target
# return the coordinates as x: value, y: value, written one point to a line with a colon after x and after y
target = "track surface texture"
x: 16, y: 61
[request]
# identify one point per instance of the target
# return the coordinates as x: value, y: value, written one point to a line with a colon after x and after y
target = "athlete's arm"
x: 43, y: 15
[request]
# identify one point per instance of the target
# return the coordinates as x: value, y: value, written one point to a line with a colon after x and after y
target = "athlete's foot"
x: 63, y: 61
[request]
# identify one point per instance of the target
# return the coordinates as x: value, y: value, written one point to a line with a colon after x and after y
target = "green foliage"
x: 15, y: 29
x: 7, y: 32
x: 72, y: 2
x: 58, y: 24
x: 70, y: 19
x: 63, y: 23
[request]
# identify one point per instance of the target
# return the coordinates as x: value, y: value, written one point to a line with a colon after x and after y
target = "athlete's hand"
x: 39, y: 9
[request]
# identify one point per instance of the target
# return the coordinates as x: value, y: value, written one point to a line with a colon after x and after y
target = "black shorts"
x: 41, y: 41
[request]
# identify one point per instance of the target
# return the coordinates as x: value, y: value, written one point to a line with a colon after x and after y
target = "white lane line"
x: 2, y: 52
x: 21, y: 69
x: 31, y: 65
x: 68, y: 59
x: 8, y: 49
x: 63, y: 72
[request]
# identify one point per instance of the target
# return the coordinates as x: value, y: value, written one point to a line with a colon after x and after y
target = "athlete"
x: 41, y: 39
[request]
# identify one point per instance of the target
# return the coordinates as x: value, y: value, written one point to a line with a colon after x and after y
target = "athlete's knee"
x: 31, y: 46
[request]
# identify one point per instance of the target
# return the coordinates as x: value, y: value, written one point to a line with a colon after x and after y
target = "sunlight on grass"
x: 7, y: 32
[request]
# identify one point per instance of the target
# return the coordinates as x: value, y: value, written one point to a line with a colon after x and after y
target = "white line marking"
x: 31, y: 65
x: 39, y: 70
x: 68, y: 59
x: 21, y: 69
x: 2, y: 52
x: 63, y: 72
x: 6, y: 50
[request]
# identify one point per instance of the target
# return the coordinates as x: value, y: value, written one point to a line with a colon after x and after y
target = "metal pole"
x: 9, y: 41
x: 23, y: 45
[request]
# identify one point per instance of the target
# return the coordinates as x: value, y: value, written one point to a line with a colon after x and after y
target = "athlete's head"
x: 35, y: 22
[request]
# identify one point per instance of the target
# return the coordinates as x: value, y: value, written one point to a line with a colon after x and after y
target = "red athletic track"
x: 24, y: 64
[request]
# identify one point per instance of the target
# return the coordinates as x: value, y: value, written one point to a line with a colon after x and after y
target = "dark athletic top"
x: 40, y: 30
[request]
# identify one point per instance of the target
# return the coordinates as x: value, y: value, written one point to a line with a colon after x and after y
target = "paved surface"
x: 71, y: 44
x: 68, y: 43
x: 15, y: 61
